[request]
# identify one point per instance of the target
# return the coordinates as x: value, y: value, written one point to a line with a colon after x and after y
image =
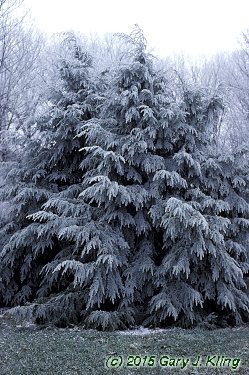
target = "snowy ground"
x: 141, y: 331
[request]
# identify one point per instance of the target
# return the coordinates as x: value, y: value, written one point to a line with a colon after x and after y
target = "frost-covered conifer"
x: 50, y: 168
x: 146, y: 223
x: 147, y: 179
x: 113, y: 244
x: 202, y: 263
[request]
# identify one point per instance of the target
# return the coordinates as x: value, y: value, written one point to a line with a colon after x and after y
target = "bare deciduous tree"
x: 20, y: 51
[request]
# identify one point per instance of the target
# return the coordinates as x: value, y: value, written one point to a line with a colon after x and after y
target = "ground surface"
x: 27, y: 350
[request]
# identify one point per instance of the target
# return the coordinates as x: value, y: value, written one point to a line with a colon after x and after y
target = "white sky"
x: 190, y: 26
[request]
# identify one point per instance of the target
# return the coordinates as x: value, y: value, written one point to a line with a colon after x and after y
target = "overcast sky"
x: 190, y: 26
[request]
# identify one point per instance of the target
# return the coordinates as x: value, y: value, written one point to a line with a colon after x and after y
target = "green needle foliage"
x: 123, y: 211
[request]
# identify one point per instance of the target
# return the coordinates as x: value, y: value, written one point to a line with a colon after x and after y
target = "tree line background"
x: 123, y: 180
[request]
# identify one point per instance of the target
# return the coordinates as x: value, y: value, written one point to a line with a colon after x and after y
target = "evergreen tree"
x: 143, y: 222
x: 50, y: 168
x: 115, y: 227
x: 148, y: 180
x: 203, y: 263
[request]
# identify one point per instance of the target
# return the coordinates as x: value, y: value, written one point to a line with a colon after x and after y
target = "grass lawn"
x: 31, y: 351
